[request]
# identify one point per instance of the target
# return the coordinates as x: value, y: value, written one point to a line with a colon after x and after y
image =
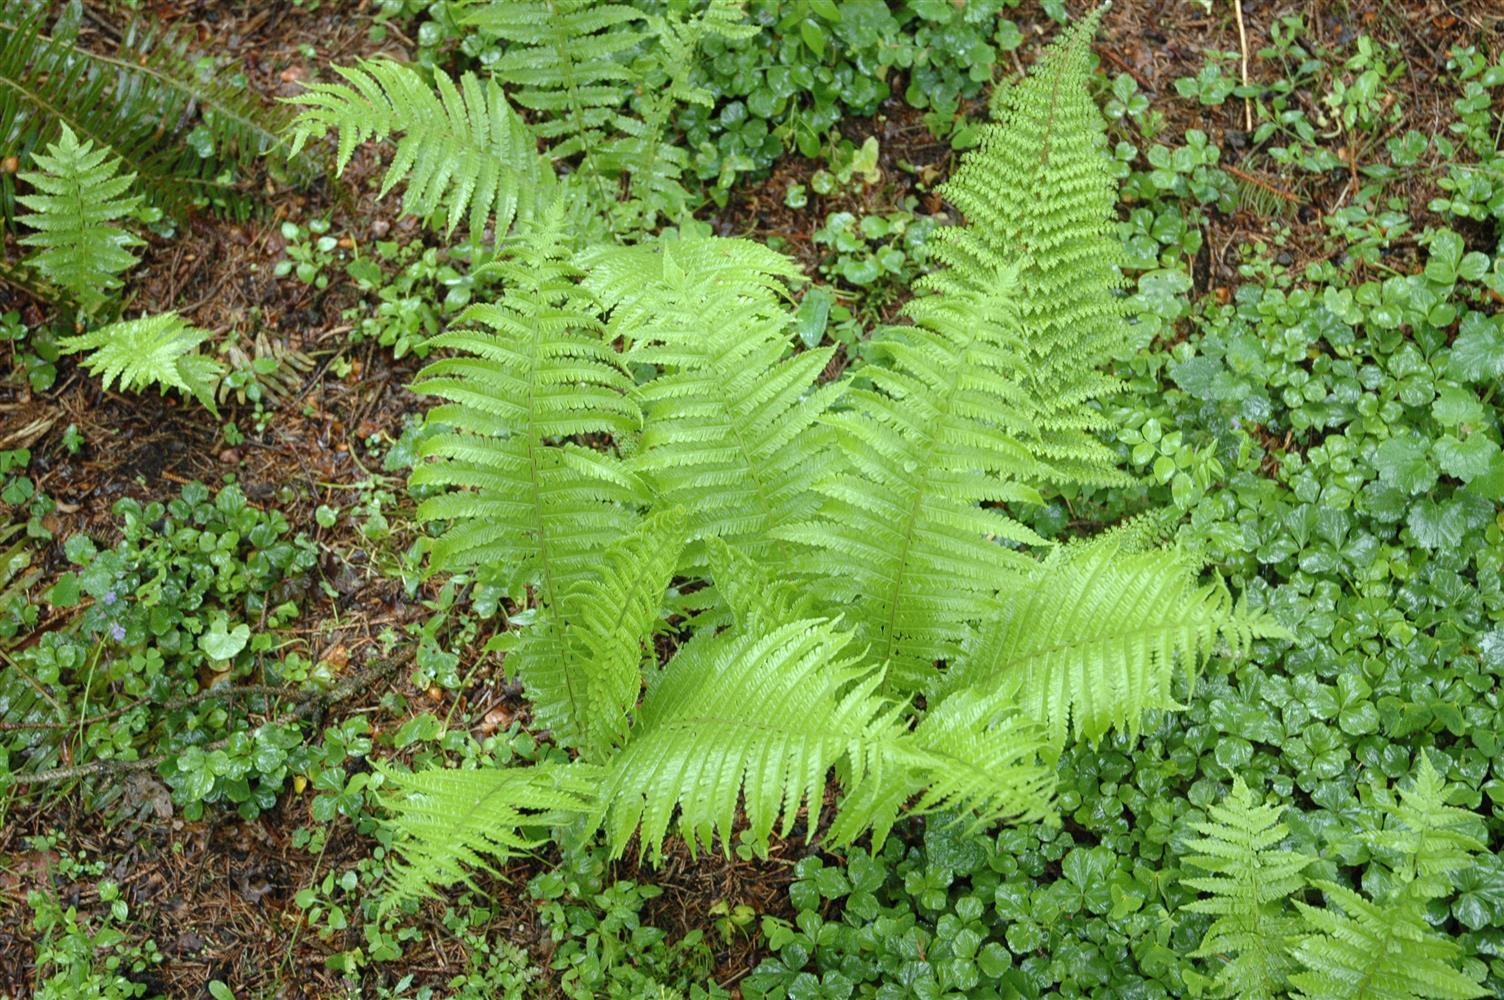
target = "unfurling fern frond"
x: 1370, y: 951
x: 450, y: 822
x: 463, y: 151
x: 79, y: 196
x: 1249, y: 879
x: 152, y: 349
x: 1038, y: 190
x: 141, y: 102
x: 581, y: 663
x: 731, y: 419
x: 532, y: 375
x: 1097, y: 635
x: 903, y: 547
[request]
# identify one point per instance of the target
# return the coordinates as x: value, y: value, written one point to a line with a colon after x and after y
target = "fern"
x: 1435, y: 841
x: 451, y: 822
x: 900, y: 541
x: 581, y: 663
x: 463, y: 152
x: 731, y: 418
x: 564, y: 62
x: 533, y: 374
x: 79, y: 196
x: 1370, y: 951
x: 1038, y: 191
x: 848, y: 546
x: 1097, y: 635
x: 152, y: 349
x: 1248, y: 884
x: 139, y: 102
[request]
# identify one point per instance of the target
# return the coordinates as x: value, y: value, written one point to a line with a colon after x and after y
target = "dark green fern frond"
x: 141, y: 102
x: 1434, y: 840
x: 462, y: 150
x: 79, y: 196
x: 1038, y: 191
x: 902, y: 545
x: 152, y: 349
x: 1097, y: 635
x: 1368, y: 951
x: 1249, y: 880
x: 743, y: 718
x: 731, y: 430
x: 581, y: 663
x: 447, y: 823
x: 532, y: 375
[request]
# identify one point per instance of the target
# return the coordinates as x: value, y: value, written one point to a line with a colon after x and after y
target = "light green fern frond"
x: 1434, y: 840
x: 731, y: 430
x: 580, y: 664
x: 532, y: 374
x: 460, y: 147
x: 1038, y: 190
x: 152, y: 349
x: 566, y: 62
x: 1369, y: 951
x: 79, y: 196
x: 749, y: 719
x: 754, y: 595
x: 1248, y: 882
x: 1097, y: 634
x: 964, y: 758
x: 447, y: 823
x: 902, y: 545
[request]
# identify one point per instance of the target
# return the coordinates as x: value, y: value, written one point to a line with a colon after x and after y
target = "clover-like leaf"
x: 220, y: 643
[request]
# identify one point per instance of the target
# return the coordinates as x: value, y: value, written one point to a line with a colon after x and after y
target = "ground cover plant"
x: 768, y: 499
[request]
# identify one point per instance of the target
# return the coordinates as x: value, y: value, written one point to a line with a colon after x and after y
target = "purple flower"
x: 110, y: 598
x: 117, y: 631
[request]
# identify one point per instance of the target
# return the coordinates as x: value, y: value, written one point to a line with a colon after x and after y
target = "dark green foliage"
x: 148, y: 103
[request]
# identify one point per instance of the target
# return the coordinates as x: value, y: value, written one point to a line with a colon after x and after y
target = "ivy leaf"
x: 1480, y: 899
x: 1403, y: 462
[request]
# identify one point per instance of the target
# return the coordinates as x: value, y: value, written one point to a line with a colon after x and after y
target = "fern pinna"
x: 627, y: 436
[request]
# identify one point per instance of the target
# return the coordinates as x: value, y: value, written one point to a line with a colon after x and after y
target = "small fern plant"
x: 1272, y: 944
x: 770, y: 603
x: 156, y: 350
x: 79, y: 196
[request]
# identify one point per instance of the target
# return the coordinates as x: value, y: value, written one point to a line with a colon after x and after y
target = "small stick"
x: 1237, y: 6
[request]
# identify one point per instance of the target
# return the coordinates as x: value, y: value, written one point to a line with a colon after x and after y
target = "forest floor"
x: 218, y: 893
